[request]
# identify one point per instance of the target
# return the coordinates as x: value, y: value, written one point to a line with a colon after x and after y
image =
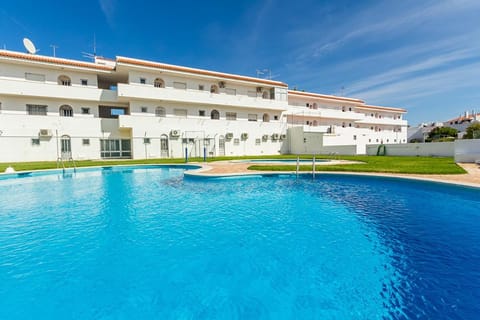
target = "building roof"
x: 51, y: 60
x: 379, y: 108
x: 151, y: 64
x: 464, y: 118
x: 323, y: 96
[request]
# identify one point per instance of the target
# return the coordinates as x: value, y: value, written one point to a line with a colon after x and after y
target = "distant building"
x: 462, y: 122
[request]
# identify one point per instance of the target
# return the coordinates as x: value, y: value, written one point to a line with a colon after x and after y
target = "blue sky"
x: 420, y: 55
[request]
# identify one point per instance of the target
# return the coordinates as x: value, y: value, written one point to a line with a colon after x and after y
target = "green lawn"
x: 419, y: 165
x: 386, y: 164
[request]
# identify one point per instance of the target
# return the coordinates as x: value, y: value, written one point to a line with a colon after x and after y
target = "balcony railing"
x: 127, y: 91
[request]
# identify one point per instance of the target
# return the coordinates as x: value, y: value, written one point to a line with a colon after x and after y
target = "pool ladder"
x: 61, y: 160
x: 313, y: 166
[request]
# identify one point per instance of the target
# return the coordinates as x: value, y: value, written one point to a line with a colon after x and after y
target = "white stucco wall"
x: 467, y: 150
x: 436, y: 149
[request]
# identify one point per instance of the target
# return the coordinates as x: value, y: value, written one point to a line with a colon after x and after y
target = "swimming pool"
x: 139, y: 242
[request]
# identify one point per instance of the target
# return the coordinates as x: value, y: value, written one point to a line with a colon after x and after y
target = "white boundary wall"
x: 433, y: 149
x: 467, y: 150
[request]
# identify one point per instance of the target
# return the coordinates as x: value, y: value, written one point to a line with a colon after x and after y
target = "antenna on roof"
x: 94, y: 54
x: 266, y: 72
x: 28, y: 44
x: 53, y: 46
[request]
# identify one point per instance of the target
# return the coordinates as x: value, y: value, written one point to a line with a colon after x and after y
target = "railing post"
x: 313, y: 167
x: 298, y: 165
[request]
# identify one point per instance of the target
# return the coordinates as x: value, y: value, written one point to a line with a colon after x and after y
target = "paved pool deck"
x: 228, y: 168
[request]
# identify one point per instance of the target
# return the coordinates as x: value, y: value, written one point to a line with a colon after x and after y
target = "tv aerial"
x: 28, y: 44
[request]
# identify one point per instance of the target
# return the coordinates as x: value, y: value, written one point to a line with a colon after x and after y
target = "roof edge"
x: 152, y: 64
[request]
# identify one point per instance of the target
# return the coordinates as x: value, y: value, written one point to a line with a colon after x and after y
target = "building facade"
x: 53, y: 108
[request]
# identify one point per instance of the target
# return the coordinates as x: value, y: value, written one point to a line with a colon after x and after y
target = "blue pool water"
x: 138, y: 243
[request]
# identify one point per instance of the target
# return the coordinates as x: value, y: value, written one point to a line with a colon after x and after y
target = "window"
x: 343, y: 109
x: 117, y: 112
x: 236, y: 141
x: 35, y: 142
x: 230, y: 91
x: 350, y: 109
x: 85, y: 110
x: 275, y: 117
x: 266, y: 117
x: 111, y: 111
x: 257, y: 142
x: 64, y: 80
x: 36, y: 110
x: 34, y: 77
x: 265, y: 95
x: 180, y: 113
x: 115, y: 148
x: 201, y: 87
x: 252, y: 117
x: 201, y: 113
x: 215, y: 115
x: 231, y: 115
x: 160, y: 112
x: 143, y: 81
x: 354, y: 137
x: 315, y: 106
x: 144, y: 109
x: 86, y: 142
x: 146, y: 140
x: 349, y: 124
x: 159, y: 83
x: 180, y: 85
x: 66, y: 111
x: 213, y: 88
x: 84, y: 82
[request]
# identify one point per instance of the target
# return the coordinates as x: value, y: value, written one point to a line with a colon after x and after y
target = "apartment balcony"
x: 51, y: 90
x: 302, y: 112
x: 383, y: 121
x: 143, y: 92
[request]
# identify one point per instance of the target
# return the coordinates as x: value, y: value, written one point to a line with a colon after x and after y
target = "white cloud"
x: 108, y: 9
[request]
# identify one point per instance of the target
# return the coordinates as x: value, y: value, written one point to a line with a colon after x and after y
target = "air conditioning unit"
x: 259, y: 89
x: 45, y: 133
x: 244, y: 136
x: 265, y: 137
x: 283, y: 136
x: 175, y: 133
x: 275, y: 136
x: 229, y: 136
x: 221, y: 84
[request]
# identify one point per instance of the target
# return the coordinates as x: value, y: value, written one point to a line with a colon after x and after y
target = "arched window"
x: 64, y: 80
x: 159, y: 83
x: 66, y: 111
x: 315, y: 123
x: 266, y: 117
x: 213, y: 89
x: 265, y: 95
x: 215, y: 115
x: 160, y: 112
x: 315, y: 106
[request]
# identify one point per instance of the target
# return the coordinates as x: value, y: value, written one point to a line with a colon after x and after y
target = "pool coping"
x: 223, y: 169
x: 229, y: 168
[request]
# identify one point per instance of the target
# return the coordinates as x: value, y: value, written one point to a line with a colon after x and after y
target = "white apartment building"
x: 53, y: 108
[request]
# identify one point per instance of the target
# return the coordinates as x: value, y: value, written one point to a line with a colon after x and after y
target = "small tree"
x: 440, y: 133
x: 473, y: 131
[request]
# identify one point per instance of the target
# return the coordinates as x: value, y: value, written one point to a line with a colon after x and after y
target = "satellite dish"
x: 29, y: 46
